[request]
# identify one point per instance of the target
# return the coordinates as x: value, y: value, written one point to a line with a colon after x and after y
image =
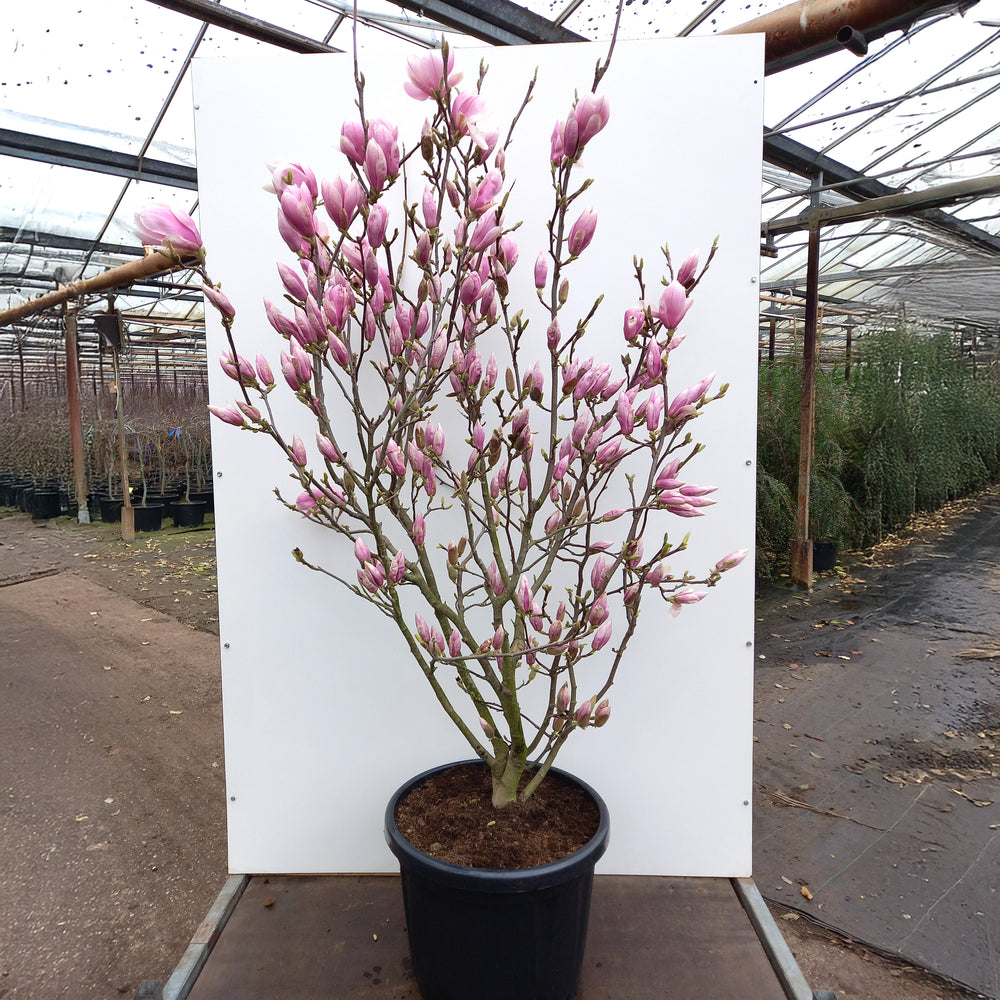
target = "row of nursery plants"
x: 166, y: 445
x: 916, y: 425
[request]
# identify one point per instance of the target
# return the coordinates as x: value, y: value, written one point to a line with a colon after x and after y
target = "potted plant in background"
x: 513, y: 556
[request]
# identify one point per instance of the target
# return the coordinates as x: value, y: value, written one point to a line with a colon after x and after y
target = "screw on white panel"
x: 225, y: 645
x: 749, y: 643
x: 749, y: 462
x: 753, y: 280
x: 218, y: 475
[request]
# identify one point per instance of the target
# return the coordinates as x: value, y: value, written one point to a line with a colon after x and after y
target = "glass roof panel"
x: 99, y: 73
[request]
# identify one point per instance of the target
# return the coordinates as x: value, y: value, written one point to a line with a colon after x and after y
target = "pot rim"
x: 498, y: 879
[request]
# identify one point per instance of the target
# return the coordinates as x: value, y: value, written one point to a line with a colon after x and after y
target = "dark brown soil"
x: 451, y: 817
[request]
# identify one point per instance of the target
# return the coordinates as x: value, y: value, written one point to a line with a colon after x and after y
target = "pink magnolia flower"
x: 465, y: 109
x: 352, y: 141
x: 160, y: 225
x: 602, y: 713
x: 484, y: 193
x: 635, y: 319
x: 284, y: 174
x: 427, y: 74
x: 673, y: 306
x: 299, y: 210
x: 341, y: 200
x: 591, y: 114
x: 486, y: 233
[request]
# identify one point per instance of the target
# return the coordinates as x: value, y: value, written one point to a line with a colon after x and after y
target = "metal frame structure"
x: 875, y: 230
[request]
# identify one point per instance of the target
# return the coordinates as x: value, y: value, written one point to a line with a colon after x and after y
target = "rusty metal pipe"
x: 152, y: 264
x: 793, y: 32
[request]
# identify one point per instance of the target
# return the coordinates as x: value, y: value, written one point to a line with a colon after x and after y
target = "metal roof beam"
x: 104, y: 161
x: 244, y: 24
x: 793, y: 156
x: 494, y: 21
x: 34, y: 238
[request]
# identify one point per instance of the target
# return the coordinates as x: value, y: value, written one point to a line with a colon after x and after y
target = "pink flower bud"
x: 582, y: 232
x: 562, y: 698
x: 508, y: 252
x: 471, y: 289
x: 599, y: 574
x: 219, y: 301
x: 582, y: 715
x: 419, y: 531
x: 498, y: 638
x: 227, y: 414
x: 278, y: 320
x: 378, y: 220
x: 601, y: 636
x: 541, y: 270
x: 397, y: 567
x: 732, y: 560
x: 375, y: 165
x: 298, y: 451
x: 523, y: 595
x: 654, y: 359
x: 250, y: 412
x: 602, y: 713
x: 264, y: 372
x: 429, y: 207
x: 486, y: 233
x: 455, y: 642
x: 654, y: 410
x: 487, y: 728
x: 685, y: 273
x: 423, y: 630
x: 327, y: 448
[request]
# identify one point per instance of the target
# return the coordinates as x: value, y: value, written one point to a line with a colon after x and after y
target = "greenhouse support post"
x: 802, y: 556
x: 75, y: 419
x: 128, y: 514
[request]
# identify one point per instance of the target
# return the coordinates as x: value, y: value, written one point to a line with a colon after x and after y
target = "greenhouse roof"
x: 96, y: 121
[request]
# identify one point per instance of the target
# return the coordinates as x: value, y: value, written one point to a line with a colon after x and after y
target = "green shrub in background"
x: 916, y: 426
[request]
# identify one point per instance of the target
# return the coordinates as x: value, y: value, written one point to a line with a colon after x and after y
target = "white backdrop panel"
x: 324, y: 714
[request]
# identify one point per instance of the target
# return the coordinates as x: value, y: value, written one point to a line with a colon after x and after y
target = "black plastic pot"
x: 188, y: 513
x: 111, y: 508
x: 478, y: 934
x: 824, y: 556
x: 149, y: 517
x: 205, y: 496
x: 45, y: 504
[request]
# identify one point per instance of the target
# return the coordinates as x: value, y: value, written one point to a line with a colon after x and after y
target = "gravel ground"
x: 112, y: 823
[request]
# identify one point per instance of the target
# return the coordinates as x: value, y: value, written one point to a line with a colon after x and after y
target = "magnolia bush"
x: 398, y: 323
